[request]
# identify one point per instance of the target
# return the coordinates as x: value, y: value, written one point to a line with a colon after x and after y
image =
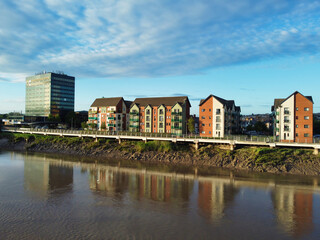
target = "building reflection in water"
x: 214, y: 196
x: 140, y: 185
x: 42, y: 177
x: 293, y: 210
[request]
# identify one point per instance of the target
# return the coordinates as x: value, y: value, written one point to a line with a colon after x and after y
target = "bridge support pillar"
x: 145, y: 140
x: 196, y: 145
x: 119, y: 140
x: 232, y: 147
x: 96, y: 139
x: 196, y: 171
x: 316, y: 151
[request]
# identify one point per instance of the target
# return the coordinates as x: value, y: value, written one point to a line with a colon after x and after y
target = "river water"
x: 43, y: 197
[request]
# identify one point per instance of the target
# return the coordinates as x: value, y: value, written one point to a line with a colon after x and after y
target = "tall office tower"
x: 49, y: 93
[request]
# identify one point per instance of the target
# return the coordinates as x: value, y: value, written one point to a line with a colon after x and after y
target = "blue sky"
x: 250, y: 51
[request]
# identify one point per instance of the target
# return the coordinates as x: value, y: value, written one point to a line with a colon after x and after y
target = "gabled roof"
x: 127, y: 103
x: 102, y: 102
x: 279, y: 101
x: 167, y: 101
x: 228, y: 103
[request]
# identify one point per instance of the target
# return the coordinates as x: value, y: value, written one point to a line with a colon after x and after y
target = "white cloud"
x: 150, y: 38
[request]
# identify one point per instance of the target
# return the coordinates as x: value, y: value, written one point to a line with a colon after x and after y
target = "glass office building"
x: 49, y: 93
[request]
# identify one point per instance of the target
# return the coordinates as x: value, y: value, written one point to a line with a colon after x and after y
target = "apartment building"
x: 160, y: 115
x: 111, y: 114
x: 218, y: 117
x: 293, y: 118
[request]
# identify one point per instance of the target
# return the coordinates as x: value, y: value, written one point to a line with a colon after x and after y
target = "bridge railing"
x: 244, y: 138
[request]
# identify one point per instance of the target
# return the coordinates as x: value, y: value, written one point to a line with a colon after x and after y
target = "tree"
x: 54, y: 118
x: 191, y: 127
x: 103, y: 126
x: 84, y: 125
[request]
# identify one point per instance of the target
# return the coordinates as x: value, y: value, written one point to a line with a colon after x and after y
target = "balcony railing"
x: 111, y: 118
x: 134, y: 119
x: 287, y: 129
x: 176, y: 113
x: 111, y: 125
x: 134, y: 126
x: 286, y: 120
x: 176, y: 120
x: 134, y: 113
x: 93, y: 118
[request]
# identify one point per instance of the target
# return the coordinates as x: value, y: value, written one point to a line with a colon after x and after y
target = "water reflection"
x: 214, y: 197
x: 43, y: 176
x: 135, y: 201
x: 140, y: 185
x: 293, y: 210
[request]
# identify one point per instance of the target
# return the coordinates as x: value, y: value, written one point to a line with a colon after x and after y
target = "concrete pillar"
x: 232, y: 147
x: 316, y: 151
x: 196, y: 171
x: 119, y: 139
x: 196, y: 145
x: 96, y: 139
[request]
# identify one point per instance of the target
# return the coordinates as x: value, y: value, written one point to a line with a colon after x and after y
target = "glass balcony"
x: 134, y: 113
x: 111, y: 118
x: 176, y: 127
x: 134, y: 126
x: 134, y: 119
x: 176, y: 120
x: 93, y: 118
x: 111, y: 125
x: 176, y: 113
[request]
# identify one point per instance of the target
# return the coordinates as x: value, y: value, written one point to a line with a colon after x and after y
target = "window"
x: 203, y: 117
x: 203, y: 110
x: 306, y: 126
x: 161, y: 125
x: 148, y: 118
x: 209, y: 111
x: 161, y: 111
x: 297, y: 117
x: 218, y: 111
x: 218, y: 119
x: 203, y: 124
x: 148, y: 125
x: 297, y: 109
x: 209, y: 132
x: 203, y: 132
x: 306, y: 135
x: 306, y: 117
x: 148, y: 111
x: 161, y: 118
x: 297, y: 126
x: 209, y: 124
x: 297, y: 135
x: 218, y: 127
x: 306, y: 109
x: 209, y: 117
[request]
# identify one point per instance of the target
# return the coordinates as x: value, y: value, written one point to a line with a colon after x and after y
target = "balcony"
x: 286, y: 112
x: 134, y: 126
x: 134, y: 119
x: 134, y: 113
x: 176, y: 120
x: 111, y: 118
x: 93, y: 118
x: 111, y: 125
x: 176, y: 113
x: 286, y: 120
x: 287, y: 129
x: 176, y: 127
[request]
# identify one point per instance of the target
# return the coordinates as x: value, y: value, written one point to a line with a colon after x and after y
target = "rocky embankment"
x: 289, y: 161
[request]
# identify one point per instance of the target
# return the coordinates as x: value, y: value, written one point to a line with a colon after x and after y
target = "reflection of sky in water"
x: 55, y: 199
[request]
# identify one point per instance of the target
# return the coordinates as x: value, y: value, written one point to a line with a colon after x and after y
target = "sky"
x: 248, y: 51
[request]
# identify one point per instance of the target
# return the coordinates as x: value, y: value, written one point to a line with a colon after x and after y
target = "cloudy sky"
x: 250, y: 51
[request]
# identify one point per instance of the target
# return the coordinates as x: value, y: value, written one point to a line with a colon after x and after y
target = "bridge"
x: 231, y: 141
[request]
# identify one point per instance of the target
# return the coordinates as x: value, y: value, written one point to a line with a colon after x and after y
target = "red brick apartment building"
x: 218, y: 117
x: 160, y: 115
x: 293, y: 118
x: 109, y: 114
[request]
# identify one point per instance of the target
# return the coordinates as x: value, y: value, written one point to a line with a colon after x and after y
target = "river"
x: 44, y: 197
